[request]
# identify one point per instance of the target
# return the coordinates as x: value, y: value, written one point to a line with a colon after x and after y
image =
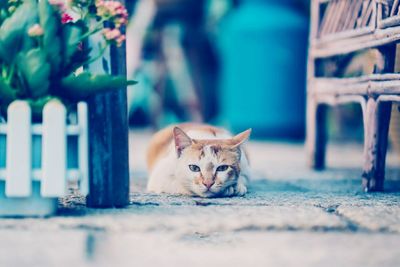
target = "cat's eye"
x: 222, y: 168
x: 194, y: 168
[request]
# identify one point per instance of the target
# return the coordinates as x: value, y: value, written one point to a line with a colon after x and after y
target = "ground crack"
x: 351, y: 225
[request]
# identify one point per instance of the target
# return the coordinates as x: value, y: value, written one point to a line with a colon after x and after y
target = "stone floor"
x: 292, y: 217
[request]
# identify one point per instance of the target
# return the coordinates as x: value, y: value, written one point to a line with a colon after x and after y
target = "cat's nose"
x: 208, y: 183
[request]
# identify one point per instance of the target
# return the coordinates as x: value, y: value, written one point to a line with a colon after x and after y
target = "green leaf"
x: 7, y: 94
x: 75, y: 54
x: 50, y: 21
x: 35, y: 72
x: 3, y: 15
x: 72, y: 55
x: 87, y: 84
x: 14, y: 28
x: 71, y: 37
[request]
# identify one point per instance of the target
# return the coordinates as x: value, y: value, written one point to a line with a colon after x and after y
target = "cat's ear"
x: 239, y: 139
x: 182, y: 140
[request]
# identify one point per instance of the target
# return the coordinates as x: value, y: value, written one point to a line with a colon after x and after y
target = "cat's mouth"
x: 207, y: 192
x: 210, y: 193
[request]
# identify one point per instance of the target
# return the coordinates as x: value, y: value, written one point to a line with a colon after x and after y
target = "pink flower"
x: 65, y: 18
x: 120, y: 40
x: 35, y: 30
x: 114, y: 35
x: 113, y: 11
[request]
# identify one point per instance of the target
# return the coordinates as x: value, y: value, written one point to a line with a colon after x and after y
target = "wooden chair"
x: 340, y: 27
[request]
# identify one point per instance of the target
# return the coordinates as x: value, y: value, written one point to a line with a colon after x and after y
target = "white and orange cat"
x: 198, y: 160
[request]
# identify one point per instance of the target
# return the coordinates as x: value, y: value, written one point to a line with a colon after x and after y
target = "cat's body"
x: 198, y: 160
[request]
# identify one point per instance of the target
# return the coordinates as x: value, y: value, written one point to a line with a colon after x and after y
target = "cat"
x: 198, y: 160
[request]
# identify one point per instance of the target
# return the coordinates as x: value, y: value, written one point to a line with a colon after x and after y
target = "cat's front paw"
x: 228, y: 192
x: 240, y: 189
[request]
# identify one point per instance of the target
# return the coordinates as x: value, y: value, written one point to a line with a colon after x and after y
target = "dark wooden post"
x: 377, y: 120
x: 316, y: 133
x: 108, y: 142
x: 376, y: 136
x: 316, y: 112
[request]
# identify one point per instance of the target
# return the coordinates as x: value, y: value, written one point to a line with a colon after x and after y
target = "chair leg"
x: 377, y: 119
x: 316, y: 134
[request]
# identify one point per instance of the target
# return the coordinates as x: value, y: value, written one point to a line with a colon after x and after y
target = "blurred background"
x: 235, y: 63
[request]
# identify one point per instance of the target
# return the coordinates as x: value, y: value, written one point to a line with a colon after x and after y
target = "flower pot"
x: 37, y: 161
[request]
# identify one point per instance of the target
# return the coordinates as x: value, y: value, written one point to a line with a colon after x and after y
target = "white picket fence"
x: 53, y: 175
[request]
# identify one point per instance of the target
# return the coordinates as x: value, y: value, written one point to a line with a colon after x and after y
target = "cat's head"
x: 208, y: 167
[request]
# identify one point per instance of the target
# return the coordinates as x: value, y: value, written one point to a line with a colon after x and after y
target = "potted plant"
x: 43, y: 49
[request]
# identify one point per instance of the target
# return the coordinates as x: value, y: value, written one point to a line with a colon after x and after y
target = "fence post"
x: 54, y: 147
x: 108, y: 141
x: 19, y: 153
x: 83, y: 149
